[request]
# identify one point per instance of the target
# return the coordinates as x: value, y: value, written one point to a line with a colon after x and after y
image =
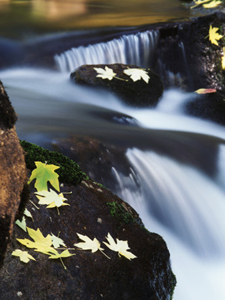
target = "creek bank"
x: 135, y: 93
x: 94, y: 211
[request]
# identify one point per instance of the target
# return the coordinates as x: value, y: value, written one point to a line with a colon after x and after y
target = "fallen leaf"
x: 197, y: 3
x: 137, y: 74
x: 88, y: 244
x: 205, y: 91
x: 61, y: 255
x: 50, y: 198
x: 119, y: 246
x: 213, y: 35
x: 57, y: 242
x: 105, y: 74
x: 22, y: 224
x: 40, y: 244
x: 57, y: 255
x: 27, y: 213
x: 44, y: 173
x: 23, y: 255
x: 212, y: 4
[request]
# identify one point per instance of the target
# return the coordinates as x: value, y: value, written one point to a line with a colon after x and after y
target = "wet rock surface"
x: 12, y: 171
x: 190, y: 61
x: 136, y: 93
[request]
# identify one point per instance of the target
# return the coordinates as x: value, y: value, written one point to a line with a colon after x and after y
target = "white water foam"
x: 193, y: 206
x: 128, y: 49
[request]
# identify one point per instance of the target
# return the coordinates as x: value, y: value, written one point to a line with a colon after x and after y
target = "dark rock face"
x: 138, y: 93
x: 185, y: 50
x: 12, y: 171
x: 93, y: 211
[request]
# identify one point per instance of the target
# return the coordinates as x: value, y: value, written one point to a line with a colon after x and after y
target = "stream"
x: 177, y: 162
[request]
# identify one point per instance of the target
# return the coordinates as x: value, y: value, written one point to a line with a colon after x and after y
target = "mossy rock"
x: 69, y: 172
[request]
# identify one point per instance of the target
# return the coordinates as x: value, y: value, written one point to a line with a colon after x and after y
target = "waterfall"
x: 128, y: 49
x: 187, y: 208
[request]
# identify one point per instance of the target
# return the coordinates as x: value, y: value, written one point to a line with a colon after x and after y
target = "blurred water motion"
x: 21, y: 18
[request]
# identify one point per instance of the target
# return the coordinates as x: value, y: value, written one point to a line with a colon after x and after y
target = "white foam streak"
x: 160, y: 188
x: 128, y: 49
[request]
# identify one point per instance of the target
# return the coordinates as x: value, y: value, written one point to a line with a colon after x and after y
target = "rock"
x: 138, y: 93
x: 94, y: 211
x: 12, y: 171
x: 185, y: 52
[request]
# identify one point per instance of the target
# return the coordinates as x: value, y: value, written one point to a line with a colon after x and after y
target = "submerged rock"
x: 12, y: 171
x: 136, y: 93
x: 93, y: 211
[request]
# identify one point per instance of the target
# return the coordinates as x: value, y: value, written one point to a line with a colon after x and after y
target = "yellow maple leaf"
x: 23, y: 255
x: 40, y: 243
x: 212, y: 4
x: 57, y: 242
x: 199, y: 2
x: 88, y: 244
x: 61, y: 255
x: 213, y: 35
x: 44, y: 173
x: 105, y: 74
x: 50, y: 198
x: 119, y: 246
x: 22, y: 224
x: 137, y: 74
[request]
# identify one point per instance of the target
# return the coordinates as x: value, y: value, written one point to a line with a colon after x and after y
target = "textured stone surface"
x: 89, y: 275
x: 138, y: 93
x: 12, y: 171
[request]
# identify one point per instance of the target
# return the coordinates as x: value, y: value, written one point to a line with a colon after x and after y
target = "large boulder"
x: 136, y: 93
x: 12, y: 171
x: 94, y: 211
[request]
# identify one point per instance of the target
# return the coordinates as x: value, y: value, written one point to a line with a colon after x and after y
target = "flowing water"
x: 177, y: 162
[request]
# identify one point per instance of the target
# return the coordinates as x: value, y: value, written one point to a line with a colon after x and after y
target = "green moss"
x: 69, y: 171
x: 118, y: 211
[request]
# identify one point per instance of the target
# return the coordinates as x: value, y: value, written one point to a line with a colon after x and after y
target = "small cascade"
x: 128, y: 49
x: 187, y: 208
x: 173, y: 194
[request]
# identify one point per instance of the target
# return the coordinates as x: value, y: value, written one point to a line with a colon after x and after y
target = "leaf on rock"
x: 57, y: 255
x: 212, y: 4
x: 23, y: 255
x: 22, y: 224
x: 205, y: 91
x: 105, y: 74
x: 57, y: 242
x: 88, y: 244
x: 51, y: 198
x: 213, y: 35
x: 199, y: 2
x: 44, y: 173
x: 40, y: 244
x: 119, y: 246
x: 137, y: 74
x: 27, y: 213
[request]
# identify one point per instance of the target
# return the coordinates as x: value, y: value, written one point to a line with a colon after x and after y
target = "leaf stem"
x: 63, y: 263
x: 34, y: 204
x: 105, y: 254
